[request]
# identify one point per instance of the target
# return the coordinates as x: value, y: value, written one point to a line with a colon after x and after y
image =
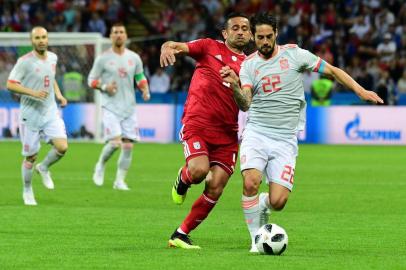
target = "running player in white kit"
x: 272, y: 92
x: 33, y: 77
x: 113, y: 74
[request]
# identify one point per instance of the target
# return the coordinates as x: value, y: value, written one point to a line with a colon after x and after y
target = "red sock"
x: 200, y: 210
x: 186, y: 175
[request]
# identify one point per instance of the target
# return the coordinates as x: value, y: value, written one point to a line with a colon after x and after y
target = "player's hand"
x: 168, y: 56
x: 229, y: 75
x: 146, y: 96
x: 41, y: 94
x: 370, y: 96
x: 111, y: 88
x: 62, y: 101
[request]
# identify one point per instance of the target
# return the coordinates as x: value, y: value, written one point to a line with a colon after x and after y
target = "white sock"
x: 250, y: 207
x: 124, y: 161
x: 264, y: 202
x: 52, y: 157
x: 107, y: 151
x: 26, y: 171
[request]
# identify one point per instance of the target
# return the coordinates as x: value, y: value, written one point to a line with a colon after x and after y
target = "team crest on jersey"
x: 196, y: 145
x: 130, y: 62
x: 284, y: 63
x: 234, y: 58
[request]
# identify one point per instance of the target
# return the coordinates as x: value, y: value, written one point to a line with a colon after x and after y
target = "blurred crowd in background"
x: 367, y: 38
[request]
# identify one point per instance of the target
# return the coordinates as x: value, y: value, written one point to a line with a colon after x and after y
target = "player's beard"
x: 40, y: 49
x: 267, y: 51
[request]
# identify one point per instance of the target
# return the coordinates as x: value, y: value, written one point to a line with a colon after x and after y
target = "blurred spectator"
x: 321, y: 91
x: 387, y: 49
x: 159, y: 82
x: 402, y: 84
x: 385, y: 88
x: 97, y: 24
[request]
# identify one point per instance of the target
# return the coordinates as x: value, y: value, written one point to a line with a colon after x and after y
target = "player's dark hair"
x: 117, y: 24
x: 263, y: 18
x: 234, y: 15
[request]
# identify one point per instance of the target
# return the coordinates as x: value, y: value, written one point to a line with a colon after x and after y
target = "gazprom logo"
x: 354, y: 132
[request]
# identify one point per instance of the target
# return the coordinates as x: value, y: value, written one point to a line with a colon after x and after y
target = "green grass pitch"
x: 347, y: 211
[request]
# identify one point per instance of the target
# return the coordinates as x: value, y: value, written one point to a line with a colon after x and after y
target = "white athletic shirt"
x: 278, y: 104
x: 109, y: 67
x: 37, y: 74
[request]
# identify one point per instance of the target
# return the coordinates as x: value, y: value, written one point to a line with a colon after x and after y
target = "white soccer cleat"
x: 46, y: 176
x: 254, y: 248
x: 98, y: 175
x: 28, y: 197
x: 120, y: 185
x: 264, y: 211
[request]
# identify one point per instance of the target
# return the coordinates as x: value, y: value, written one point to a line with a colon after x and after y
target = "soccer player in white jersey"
x: 113, y: 75
x: 271, y: 89
x: 33, y: 77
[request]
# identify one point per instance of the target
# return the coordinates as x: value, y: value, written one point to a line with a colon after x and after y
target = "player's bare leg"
x: 193, y: 173
x: 60, y: 146
x: 250, y: 202
x: 278, y: 196
x: 123, y: 164
x: 27, y: 171
x: 216, y: 180
x: 108, y: 150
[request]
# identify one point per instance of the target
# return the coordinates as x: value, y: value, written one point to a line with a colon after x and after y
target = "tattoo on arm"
x: 243, y: 97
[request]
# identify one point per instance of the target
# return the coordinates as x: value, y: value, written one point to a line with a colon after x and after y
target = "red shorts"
x: 221, y: 148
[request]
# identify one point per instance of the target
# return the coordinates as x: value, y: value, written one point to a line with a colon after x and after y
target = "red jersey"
x: 210, y: 103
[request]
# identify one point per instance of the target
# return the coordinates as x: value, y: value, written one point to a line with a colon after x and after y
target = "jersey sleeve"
x: 198, y: 47
x: 96, y: 72
x: 18, y: 72
x: 310, y: 61
x: 245, y: 78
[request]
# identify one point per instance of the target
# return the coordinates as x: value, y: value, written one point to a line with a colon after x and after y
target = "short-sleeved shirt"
x: 210, y: 103
x: 278, y: 104
x: 37, y: 74
x: 120, y: 68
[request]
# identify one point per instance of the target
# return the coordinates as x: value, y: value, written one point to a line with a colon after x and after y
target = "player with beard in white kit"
x: 113, y: 75
x: 272, y: 91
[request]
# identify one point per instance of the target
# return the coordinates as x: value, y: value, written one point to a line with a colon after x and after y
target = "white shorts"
x: 276, y: 159
x: 113, y: 126
x: 53, y: 129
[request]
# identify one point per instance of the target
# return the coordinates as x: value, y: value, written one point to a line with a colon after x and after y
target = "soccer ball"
x: 271, y: 239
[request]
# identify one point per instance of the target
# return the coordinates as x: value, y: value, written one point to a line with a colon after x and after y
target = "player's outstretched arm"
x: 169, y: 50
x: 242, y: 96
x: 342, y: 77
x: 58, y: 95
x: 19, y: 89
x: 142, y: 84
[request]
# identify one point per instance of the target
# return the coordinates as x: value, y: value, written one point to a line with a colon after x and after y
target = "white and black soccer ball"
x: 271, y: 239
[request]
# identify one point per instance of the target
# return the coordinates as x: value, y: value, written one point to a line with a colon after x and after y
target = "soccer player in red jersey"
x: 210, y: 121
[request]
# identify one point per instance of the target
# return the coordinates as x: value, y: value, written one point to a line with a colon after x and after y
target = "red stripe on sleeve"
x: 94, y: 83
x: 13, y: 81
x: 316, y: 69
x: 142, y: 83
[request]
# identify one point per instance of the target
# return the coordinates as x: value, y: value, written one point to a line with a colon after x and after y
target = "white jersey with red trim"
x: 278, y: 103
x: 120, y: 68
x: 37, y: 74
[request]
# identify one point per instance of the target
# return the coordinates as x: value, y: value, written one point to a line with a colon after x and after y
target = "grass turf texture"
x: 347, y: 211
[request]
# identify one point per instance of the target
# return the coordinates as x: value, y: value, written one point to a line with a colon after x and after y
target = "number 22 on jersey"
x: 271, y: 84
